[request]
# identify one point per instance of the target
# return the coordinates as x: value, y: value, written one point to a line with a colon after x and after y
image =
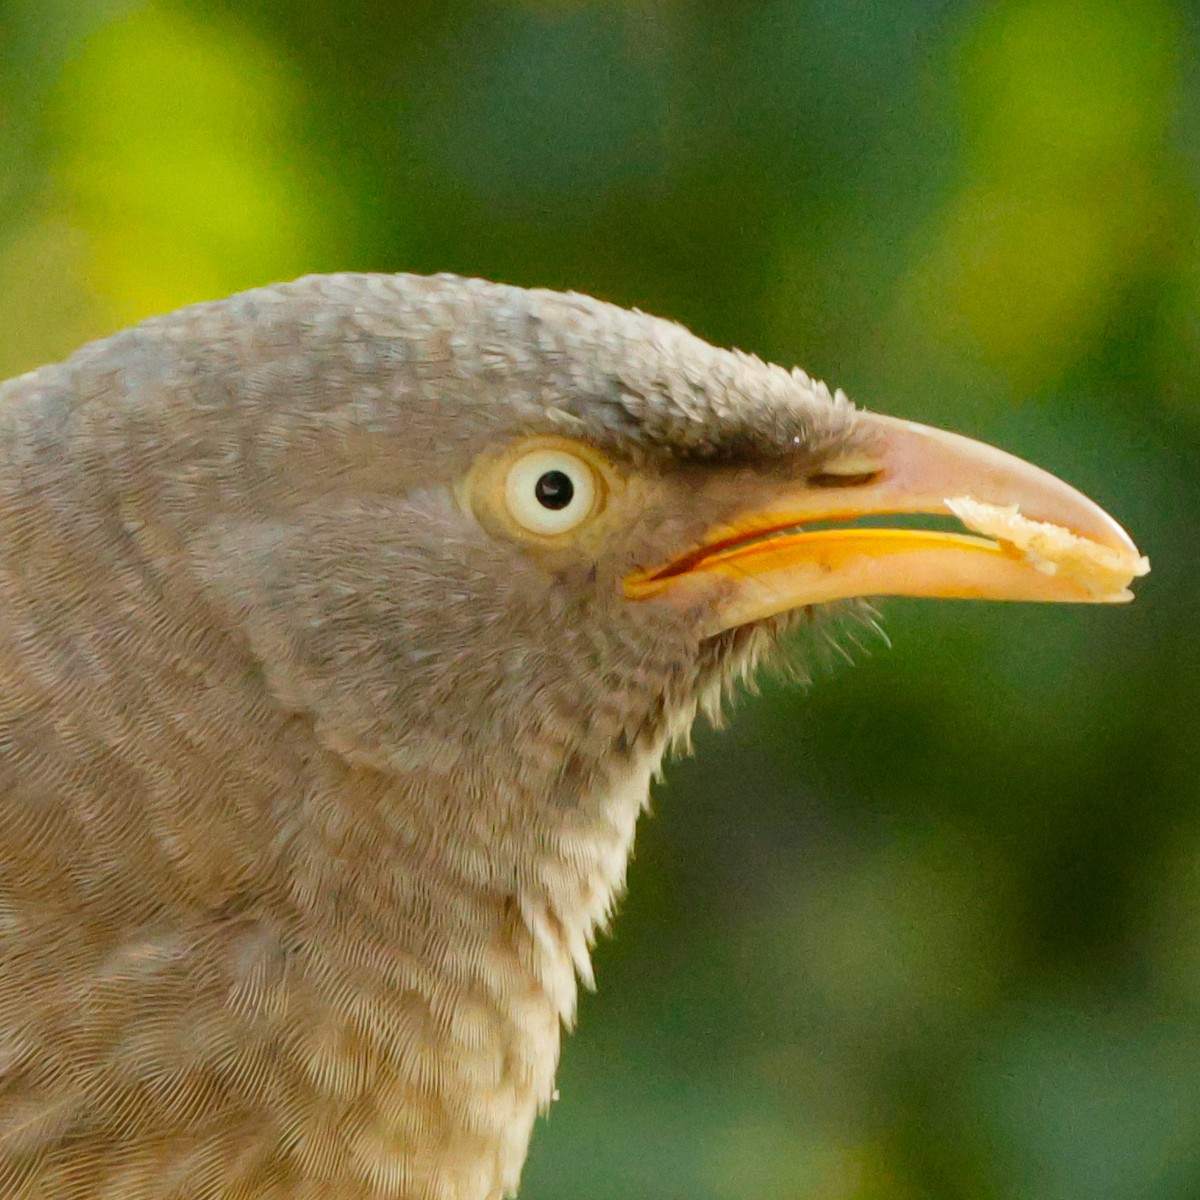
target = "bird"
x: 344, y: 624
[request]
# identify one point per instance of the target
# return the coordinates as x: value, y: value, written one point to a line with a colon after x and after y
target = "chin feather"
x: 795, y: 647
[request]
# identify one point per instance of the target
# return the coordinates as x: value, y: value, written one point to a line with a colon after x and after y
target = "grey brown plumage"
x: 314, y: 790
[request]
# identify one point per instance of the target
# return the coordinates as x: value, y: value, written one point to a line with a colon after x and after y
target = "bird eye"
x: 550, y: 491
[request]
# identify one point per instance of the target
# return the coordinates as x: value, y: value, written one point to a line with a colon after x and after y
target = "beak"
x: 764, y: 562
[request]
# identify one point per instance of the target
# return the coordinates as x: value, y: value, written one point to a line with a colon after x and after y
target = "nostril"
x: 842, y: 479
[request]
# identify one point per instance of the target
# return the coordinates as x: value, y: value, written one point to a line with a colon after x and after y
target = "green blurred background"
x: 931, y: 928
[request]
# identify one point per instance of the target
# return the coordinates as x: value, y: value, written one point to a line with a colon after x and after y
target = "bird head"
x: 491, y: 533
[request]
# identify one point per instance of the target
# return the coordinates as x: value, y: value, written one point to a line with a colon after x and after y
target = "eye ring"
x: 550, y: 491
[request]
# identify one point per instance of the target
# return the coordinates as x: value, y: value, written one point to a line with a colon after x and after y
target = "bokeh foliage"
x: 931, y: 928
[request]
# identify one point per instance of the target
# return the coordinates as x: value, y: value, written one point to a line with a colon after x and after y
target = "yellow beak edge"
x: 765, y: 562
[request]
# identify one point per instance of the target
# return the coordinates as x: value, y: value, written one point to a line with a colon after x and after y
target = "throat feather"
x: 578, y: 879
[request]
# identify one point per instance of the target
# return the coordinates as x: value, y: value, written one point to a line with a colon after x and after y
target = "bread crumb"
x: 1051, y: 549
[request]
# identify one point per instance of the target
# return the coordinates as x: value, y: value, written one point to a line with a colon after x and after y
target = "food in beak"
x: 1105, y: 571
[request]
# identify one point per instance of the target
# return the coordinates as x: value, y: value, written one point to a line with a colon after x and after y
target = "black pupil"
x: 554, y: 490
